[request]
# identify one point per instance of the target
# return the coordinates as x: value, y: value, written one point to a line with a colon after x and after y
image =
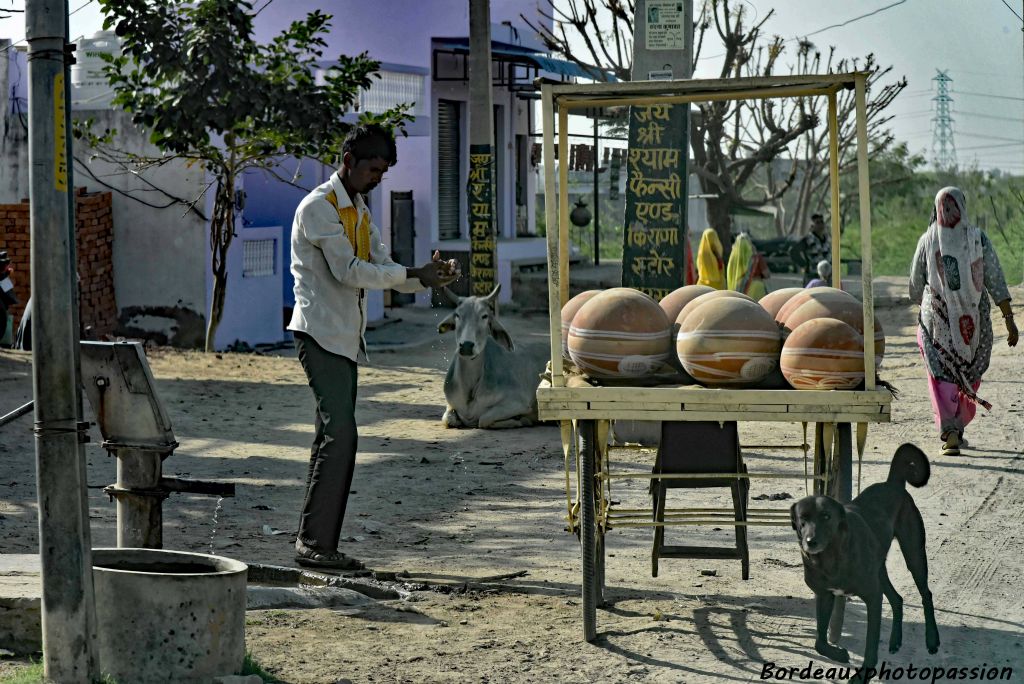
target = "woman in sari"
x: 954, y: 272
x: 747, y: 268
x: 710, y: 266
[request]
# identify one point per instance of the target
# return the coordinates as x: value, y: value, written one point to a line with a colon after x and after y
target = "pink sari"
x: 953, y: 409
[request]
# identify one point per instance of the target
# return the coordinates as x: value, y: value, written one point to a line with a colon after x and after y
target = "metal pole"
x: 68, y: 608
x: 597, y: 201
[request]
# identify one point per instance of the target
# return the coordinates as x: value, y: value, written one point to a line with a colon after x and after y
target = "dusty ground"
x: 456, y: 506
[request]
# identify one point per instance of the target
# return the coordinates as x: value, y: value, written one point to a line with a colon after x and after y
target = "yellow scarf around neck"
x: 358, y: 231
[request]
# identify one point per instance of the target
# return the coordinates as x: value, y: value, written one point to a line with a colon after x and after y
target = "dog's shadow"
x: 743, y: 633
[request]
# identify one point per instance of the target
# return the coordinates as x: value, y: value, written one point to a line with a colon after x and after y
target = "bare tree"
x: 735, y: 145
x: 812, y: 150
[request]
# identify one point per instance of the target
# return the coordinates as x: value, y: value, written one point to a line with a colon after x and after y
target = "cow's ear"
x: 447, y: 325
x: 501, y: 335
x: 792, y: 517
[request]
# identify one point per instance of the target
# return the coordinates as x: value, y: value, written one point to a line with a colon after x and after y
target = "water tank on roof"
x: 89, y: 86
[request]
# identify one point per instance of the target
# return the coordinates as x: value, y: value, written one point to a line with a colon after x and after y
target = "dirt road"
x: 456, y: 506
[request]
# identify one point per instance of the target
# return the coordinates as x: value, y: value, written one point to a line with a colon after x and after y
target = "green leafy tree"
x: 193, y: 75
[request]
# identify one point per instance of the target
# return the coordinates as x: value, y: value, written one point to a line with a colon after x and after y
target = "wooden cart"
x: 585, y: 412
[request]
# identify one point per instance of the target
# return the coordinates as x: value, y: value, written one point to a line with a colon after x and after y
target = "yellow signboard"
x: 60, y: 136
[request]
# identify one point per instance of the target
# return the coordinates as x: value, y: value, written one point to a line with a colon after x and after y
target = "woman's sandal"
x: 334, y: 560
x: 951, y: 446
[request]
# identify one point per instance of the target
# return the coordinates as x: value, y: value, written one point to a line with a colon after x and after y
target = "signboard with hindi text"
x: 654, y: 235
x: 665, y: 25
x: 482, y: 244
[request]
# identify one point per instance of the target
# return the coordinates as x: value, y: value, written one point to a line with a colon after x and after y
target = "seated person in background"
x: 816, y: 245
x: 824, y: 278
x: 747, y: 268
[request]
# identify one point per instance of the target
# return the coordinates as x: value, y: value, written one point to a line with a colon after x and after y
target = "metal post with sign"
x: 654, y: 239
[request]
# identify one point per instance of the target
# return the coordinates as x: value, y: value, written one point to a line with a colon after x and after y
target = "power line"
x: 262, y: 8
x: 981, y: 73
x: 826, y: 28
x: 912, y: 115
x: 990, y: 147
x: 998, y: 97
x: 82, y: 7
x: 987, y: 116
x: 987, y: 137
x: 863, y: 16
x: 72, y: 12
x: 1013, y: 10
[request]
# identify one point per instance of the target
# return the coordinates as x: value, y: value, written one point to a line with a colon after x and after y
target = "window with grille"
x: 391, y: 89
x: 259, y: 258
x: 449, y: 171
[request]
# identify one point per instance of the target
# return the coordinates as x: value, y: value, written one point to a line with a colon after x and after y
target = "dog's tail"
x: 909, y: 466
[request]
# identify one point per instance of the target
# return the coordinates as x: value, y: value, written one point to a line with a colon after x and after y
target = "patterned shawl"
x: 956, y: 270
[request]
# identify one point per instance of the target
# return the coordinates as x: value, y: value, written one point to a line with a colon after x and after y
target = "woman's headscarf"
x: 956, y: 272
x: 739, y: 273
x: 709, y: 260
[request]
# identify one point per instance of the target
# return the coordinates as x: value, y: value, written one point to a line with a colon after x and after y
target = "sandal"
x: 334, y: 560
x: 952, y: 444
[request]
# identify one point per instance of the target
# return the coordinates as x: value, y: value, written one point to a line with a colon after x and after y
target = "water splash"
x: 216, y: 512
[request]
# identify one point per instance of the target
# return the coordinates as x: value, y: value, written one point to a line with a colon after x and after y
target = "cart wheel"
x: 588, y: 528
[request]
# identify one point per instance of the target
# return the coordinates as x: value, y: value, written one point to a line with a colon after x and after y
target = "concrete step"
x: 20, y: 599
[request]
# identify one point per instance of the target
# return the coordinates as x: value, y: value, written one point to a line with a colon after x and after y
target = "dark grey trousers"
x: 333, y: 458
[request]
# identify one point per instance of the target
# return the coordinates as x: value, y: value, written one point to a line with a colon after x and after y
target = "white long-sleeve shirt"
x: 330, y: 305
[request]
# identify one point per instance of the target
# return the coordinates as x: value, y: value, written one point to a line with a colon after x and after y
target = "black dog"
x: 844, y: 549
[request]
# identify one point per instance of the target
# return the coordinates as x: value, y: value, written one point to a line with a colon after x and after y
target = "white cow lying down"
x: 489, y: 384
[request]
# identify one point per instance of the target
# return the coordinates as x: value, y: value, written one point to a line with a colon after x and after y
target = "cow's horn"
x: 452, y: 298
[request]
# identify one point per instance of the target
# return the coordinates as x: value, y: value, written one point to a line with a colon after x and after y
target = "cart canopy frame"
x: 560, y: 99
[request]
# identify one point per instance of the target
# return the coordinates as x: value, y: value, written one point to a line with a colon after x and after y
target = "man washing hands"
x: 336, y: 255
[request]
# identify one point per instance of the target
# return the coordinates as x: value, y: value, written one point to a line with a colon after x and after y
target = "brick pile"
x: 95, y: 235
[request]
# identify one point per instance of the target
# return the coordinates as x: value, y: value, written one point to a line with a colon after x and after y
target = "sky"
x: 978, y: 42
